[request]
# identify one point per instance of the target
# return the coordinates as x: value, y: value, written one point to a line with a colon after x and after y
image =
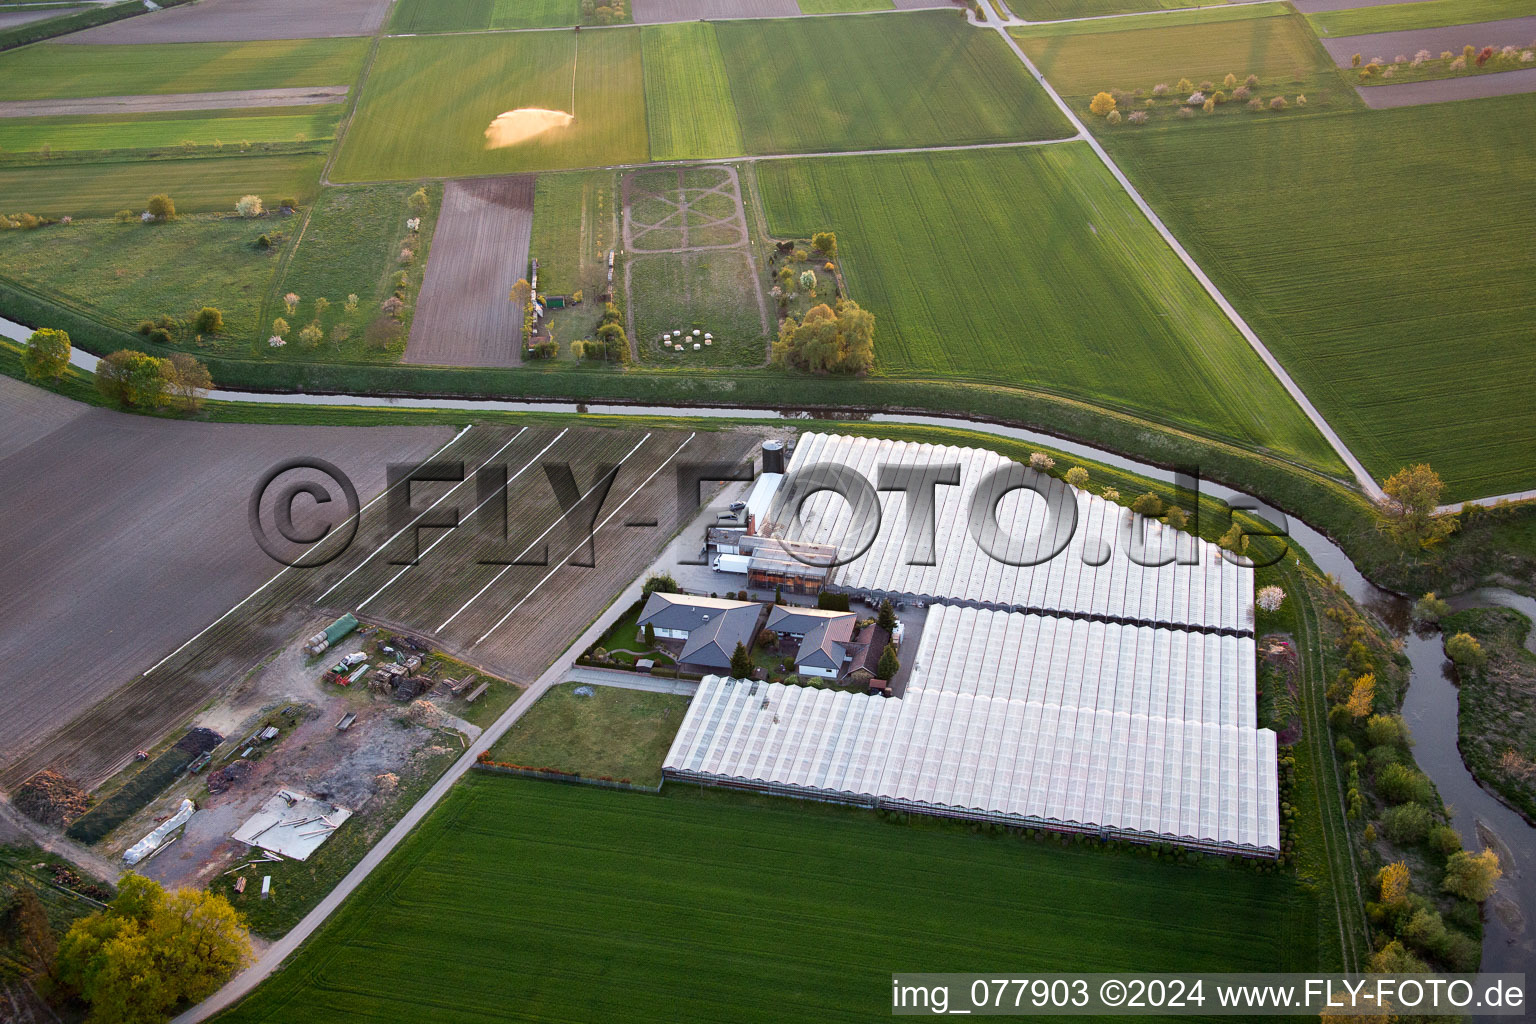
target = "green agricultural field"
x: 1140, y: 53
x: 197, y: 186
x: 844, y: 6
x: 919, y: 79
x: 470, y: 15
x: 1428, y: 14
x: 1384, y: 258
x: 1055, y: 10
x: 429, y: 100
x: 232, y: 129
x: 35, y: 72
x: 707, y: 291
x: 1064, y: 287
x: 687, y: 95
x: 352, y: 246
x: 124, y: 273
x: 575, y: 224
x: 566, y: 903
x: 617, y: 733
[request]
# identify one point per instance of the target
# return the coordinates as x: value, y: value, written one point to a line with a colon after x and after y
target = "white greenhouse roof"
x: 1197, y: 587
x: 1000, y: 758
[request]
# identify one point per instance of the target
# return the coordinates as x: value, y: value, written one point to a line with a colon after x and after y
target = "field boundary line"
x: 358, y: 515
x: 446, y: 495
x: 597, y: 529
x: 540, y: 537
x: 393, y: 579
x: 1362, y: 476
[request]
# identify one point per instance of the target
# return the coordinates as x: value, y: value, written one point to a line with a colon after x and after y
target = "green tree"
x: 419, y: 201
x: 1101, y: 104
x: 189, y: 380
x: 46, y: 354
x: 1077, y: 476
x: 151, y: 951
x: 1464, y: 649
x: 658, y: 582
x: 1408, y: 512
x: 1176, y: 518
x: 133, y: 379
x: 616, y: 341
x: 826, y: 241
x: 828, y: 340
x: 808, y: 282
x: 209, y: 320
x: 1472, y: 876
x: 741, y: 661
x: 25, y: 920
x: 161, y: 207
x: 1148, y: 504
x: 1394, y: 958
x: 650, y: 635
x: 886, y: 618
x: 889, y: 664
x: 1431, y: 607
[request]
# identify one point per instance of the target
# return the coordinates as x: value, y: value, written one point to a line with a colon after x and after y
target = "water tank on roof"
x: 773, y: 456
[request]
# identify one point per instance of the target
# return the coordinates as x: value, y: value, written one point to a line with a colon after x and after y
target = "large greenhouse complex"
x: 1107, y: 692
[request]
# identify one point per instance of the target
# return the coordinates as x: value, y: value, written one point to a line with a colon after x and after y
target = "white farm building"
x: 1085, y: 694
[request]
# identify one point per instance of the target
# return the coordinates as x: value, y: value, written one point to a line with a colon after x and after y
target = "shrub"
x: 826, y: 242
x: 1301, y: 100
x: 1270, y: 598
x: 1209, y: 105
x: 160, y: 336
x: 1406, y: 824
x: 1400, y: 784
x: 1464, y: 649
x: 351, y: 304
x: 161, y: 207
x: 1041, y: 462
x: 1252, y: 81
x: 341, y: 332
x: 1278, y: 103
x: 1186, y: 86
x: 1472, y: 876
x: 1431, y: 608
x: 1241, y: 93
x: 123, y: 216
x: 1459, y: 64
x: 1386, y: 731
x: 1113, y: 117
x: 1111, y: 494
x: 279, y: 327
x: 145, y: 326
x: 310, y: 335
x: 1148, y: 504
x: 46, y: 354
x: 1077, y: 476
x: 132, y: 378
x: 1207, y: 87
x: 1186, y: 113
x: 291, y: 301
x: 1176, y: 518
x: 1101, y: 104
x: 1196, y: 98
x: 248, y: 206
x: 208, y: 320
x: 263, y: 241
x: 1139, y: 117
x: 1380, y: 757
x: 1230, y: 80
x: 1445, y: 839
x: 1160, y: 89
x: 1255, y: 104
x: 1354, y: 61
x: 1219, y: 96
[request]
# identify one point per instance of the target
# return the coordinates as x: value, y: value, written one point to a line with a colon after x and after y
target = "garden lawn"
x: 429, y: 100
x: 1140, y: 53
x: 124, y: 273
x: 1424, y: 14
x: 52, y: 71
x: 615, y: 733
x: 575, y: 223
x: 688, y: 102
x: 96, y: 132
x: 1032, y: 268
x: 352, y: 245
x: 1383, y: 256
x: 566, y: 902
x: 469, y: 15
x: 918, y: 79
x: 198, y: 185
x: 706, y: 290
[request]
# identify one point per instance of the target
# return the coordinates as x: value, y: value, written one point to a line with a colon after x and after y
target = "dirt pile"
x: 522, y: 124
x: 232, y: 774
x: 50, y: 799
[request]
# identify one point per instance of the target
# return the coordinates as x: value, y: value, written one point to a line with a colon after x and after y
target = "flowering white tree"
x: 1270, y: 598
x: 249, y: 206
x: 1041, y: 461
x: 276, y: 341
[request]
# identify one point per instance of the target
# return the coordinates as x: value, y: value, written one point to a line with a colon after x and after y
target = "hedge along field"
x: 56, y: 71
x: 687, y: 95
x: 1384, y: 257
x: 198, y: 186
x: 919, y: 79
x: 566, y: 903
x: 429, y: 100
x: 1032, y: 268
x: 95, y: 132
x: 469, y: 15
x: 1138, y: 53
x: 1423, y: 14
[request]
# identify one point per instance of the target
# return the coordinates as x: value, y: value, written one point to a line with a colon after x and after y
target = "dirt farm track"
x: 105, y: 589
